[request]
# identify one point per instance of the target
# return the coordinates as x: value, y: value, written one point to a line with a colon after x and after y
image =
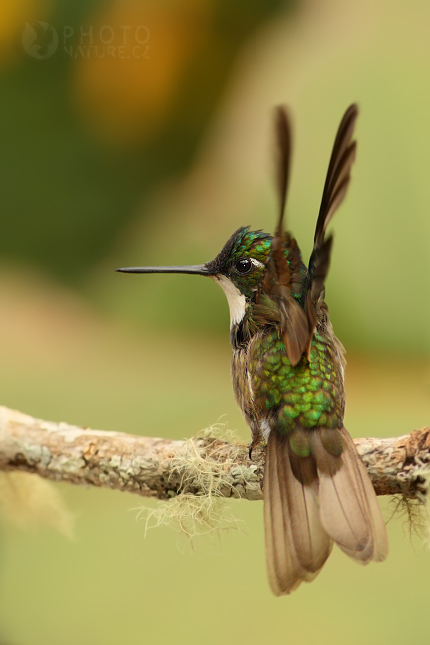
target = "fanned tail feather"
x: 296, y: 543
x: 311, y: 502
x: 349, y: 508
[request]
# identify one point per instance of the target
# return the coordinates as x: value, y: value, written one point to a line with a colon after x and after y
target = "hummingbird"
x: 288, y: 380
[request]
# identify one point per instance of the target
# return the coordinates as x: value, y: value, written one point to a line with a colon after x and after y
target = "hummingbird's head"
x: 238, y: 268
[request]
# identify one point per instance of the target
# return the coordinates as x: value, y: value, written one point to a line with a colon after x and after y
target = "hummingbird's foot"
x: 252, y: 445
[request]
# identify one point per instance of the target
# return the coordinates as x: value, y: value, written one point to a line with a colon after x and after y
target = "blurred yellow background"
x: 140, y: 133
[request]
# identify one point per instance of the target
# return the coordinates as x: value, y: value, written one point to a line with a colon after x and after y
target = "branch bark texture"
x: 164, y: 468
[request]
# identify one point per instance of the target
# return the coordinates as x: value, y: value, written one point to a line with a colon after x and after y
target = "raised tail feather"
x: 311, y: 502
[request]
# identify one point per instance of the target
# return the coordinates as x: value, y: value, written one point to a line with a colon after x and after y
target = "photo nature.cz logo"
x: 40, y: 41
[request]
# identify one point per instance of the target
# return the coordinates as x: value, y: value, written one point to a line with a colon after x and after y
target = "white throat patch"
x: 236, y: 300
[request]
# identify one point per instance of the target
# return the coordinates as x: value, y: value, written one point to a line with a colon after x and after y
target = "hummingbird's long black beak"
x: 197, y: 269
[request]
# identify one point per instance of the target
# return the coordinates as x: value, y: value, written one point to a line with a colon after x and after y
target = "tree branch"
x: 163, y: 468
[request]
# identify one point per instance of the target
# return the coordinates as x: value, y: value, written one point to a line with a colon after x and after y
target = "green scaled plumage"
x: 288, y: 369
x: 307, y: 394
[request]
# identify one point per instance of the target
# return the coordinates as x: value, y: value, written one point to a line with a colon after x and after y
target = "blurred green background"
x: 153, y: 152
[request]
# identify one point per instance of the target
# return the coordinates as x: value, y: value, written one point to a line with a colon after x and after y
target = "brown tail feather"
x: 349, y: 510
x: 296, y: 544
x: 311, y: 502
x: 379, y: 531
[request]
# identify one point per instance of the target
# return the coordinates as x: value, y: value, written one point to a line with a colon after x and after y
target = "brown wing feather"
x: 337, y: 179
x: 349, y: 510
x: 295, y: 330
x: 283, y: 277
x: 277, y: 283
x: 283, y: 137
x: 318, y: 269
x: 296, y: 543
x: 335, y: 188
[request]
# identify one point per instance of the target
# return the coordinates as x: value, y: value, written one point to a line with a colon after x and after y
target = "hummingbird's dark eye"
x: 243, y: 266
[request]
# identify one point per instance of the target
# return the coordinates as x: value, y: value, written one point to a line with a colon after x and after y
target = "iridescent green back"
x: 307, y: 395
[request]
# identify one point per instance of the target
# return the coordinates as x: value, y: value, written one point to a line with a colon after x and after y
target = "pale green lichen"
x: 415, y: 511
x: 205, y: 513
